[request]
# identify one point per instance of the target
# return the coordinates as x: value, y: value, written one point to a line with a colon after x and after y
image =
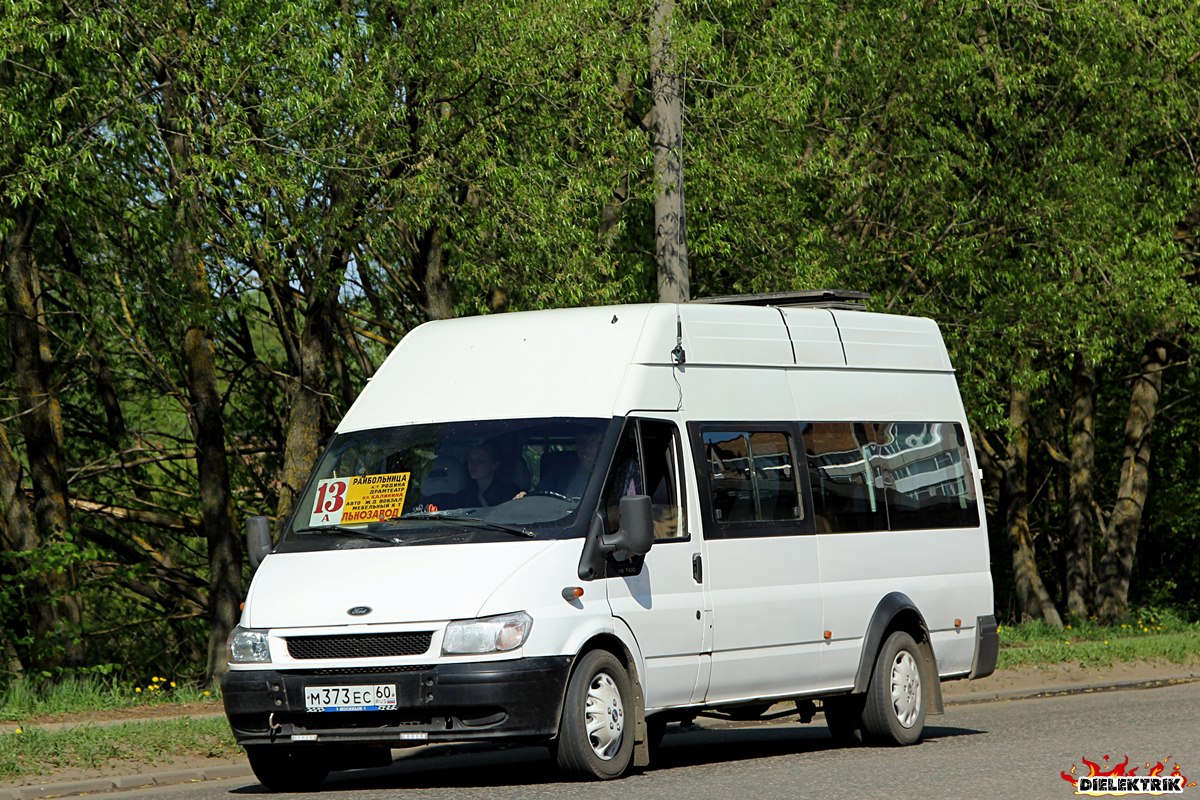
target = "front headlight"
x: 248, y: 646
x: 488, y: 635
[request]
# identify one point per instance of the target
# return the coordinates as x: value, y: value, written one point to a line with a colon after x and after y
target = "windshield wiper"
x: 482, y: 523
x: 340, y: 530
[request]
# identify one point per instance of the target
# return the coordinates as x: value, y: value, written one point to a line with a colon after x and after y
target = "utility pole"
x: 670, y: 230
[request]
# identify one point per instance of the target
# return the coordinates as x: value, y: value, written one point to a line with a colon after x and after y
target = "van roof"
x: 581, y: 361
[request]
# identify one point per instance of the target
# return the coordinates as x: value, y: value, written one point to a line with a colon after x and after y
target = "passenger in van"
x: 566, y: 473
x: 486, y: 487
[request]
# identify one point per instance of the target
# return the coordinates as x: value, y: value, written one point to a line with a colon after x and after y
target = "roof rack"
x: 814, y: 298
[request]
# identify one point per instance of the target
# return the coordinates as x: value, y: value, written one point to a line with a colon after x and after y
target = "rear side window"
x: 929, y: 476
x: 889, y: 476
x: 846, y: 475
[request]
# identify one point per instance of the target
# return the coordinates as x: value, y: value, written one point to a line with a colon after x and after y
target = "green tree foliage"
x: 223, y: 215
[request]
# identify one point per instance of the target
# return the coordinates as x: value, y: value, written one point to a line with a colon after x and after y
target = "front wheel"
x: 281, y: 768
x: 595, y: 736
x: 895, y: 704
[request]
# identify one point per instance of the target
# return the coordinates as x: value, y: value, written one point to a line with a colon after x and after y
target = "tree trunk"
x: 308, y: 393
x: 670, y: 229
x: 216, y: 500
x: 430, y: 274
x: 18, y: 534
x: 58, y: 626
x: 204, y: 411
x: 1121, y: 532
x: 1081, y: 533
x: 1033, y: 601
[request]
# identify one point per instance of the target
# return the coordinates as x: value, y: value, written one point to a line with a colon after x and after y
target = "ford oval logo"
x: 359, y: 611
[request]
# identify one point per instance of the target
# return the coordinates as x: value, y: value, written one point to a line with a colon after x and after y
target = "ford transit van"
x: 576, y: 526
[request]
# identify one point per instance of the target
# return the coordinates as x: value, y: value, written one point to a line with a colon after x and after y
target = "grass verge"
x: 1148, y: 639
x: 22, y: 698
x: 34, y: 751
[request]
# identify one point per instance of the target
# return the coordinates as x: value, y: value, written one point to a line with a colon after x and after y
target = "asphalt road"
x: 1014, y: 749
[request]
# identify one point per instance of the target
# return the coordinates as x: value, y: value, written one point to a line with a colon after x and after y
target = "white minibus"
x: 574, y: 527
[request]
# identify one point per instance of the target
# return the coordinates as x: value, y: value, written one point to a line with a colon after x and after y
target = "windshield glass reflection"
x: 502, y: 476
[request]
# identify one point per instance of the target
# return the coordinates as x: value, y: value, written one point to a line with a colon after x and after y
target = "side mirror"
x: 636, y: 534
x: 258, y: 539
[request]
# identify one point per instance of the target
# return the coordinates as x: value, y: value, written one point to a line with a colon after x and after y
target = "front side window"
x: 647, y: 462
x: 383, y: 484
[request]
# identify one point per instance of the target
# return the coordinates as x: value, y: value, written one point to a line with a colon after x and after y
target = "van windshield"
x: 514, y: 477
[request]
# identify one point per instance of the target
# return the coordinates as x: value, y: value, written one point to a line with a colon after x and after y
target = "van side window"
x: 929, y: 476
x: 869, y: 476
x: 752, y: 477
x: 846, y: 475
x: 647, y: 462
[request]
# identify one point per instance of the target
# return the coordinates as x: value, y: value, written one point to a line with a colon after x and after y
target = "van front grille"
x: 391, y: 669
x: 368, y: 645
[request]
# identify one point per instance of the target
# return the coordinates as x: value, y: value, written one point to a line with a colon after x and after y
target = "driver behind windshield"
x: 486, y: 487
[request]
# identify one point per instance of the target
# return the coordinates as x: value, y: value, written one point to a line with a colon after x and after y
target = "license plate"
x: 371, y: 697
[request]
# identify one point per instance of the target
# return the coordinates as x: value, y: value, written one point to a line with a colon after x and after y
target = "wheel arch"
x: 897, y: 612
x: 613, y: 643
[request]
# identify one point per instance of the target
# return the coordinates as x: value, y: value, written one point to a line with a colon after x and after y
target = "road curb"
x: 1063, y: 691
x: 122, y: 783
x: 146, y: 780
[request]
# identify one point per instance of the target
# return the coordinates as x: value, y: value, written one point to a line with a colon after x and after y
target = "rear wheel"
x: 281, y: 768
x: 895, y: 703
x: 595, y: 737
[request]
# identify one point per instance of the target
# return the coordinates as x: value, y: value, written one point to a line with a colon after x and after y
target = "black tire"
x: 843, y: 715
x: 894, y: 712
x: 282, y: 768
x: 599, y: 696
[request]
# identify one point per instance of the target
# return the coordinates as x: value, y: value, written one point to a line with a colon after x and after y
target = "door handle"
x: 697, y: 568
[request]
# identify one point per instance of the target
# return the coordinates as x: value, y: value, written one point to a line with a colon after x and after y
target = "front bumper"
x: 509, y: 700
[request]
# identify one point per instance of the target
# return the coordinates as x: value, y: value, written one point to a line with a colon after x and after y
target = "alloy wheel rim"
x: 604, y: 716
x: 906, y: 688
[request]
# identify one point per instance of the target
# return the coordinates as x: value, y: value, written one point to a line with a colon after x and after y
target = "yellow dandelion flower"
x: 18, y: 730
x: 207, y: 693
x: 137, y: 689
x: 172, y: 684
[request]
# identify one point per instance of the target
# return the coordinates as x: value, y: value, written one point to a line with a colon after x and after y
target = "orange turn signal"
x: 572, y: 593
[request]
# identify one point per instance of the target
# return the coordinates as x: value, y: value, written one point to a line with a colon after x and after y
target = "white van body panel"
x: 891, y: 342
x: 540, y: 364
x: 766, y: 598
x: 302, y: 590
